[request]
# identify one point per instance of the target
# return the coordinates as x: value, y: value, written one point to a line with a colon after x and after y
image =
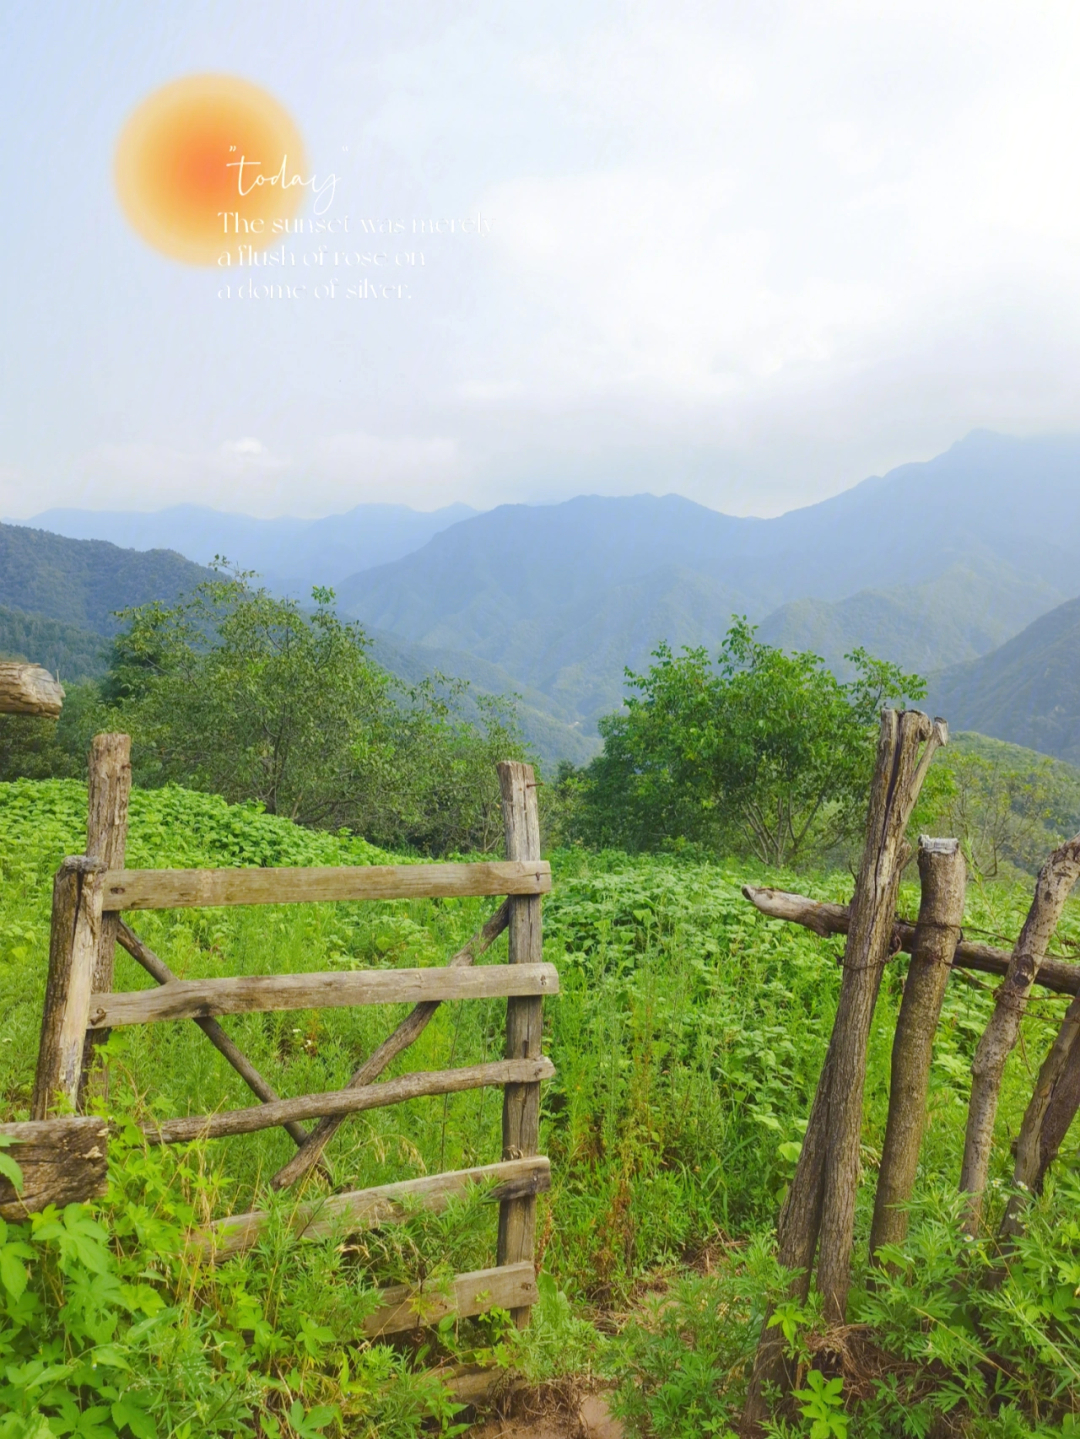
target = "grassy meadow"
x: 687, y: 1038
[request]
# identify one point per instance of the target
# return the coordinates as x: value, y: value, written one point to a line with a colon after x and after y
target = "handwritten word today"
x: 284, y: 181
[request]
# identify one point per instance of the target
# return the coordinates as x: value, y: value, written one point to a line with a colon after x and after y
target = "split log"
x: 511, y: 1286
x: 821, y: 1199
x: 144, y: 955
x: 108, y: 795
x: 29, y: 690
x: 1046, y: 1121
x: 1058, y: 975
x: 267, y: 993
x: 348, y: 1101
x: 207, y: 888
x: 408, y: 1031
x: 524, y: 1017
x: 63, y: 1161
x: 73, y: 950
x: 1052, y: 889
x: 383, y: 1204
x: 943, y: 875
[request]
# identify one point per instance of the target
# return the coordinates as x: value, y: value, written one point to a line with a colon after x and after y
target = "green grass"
x: 687, y: 1038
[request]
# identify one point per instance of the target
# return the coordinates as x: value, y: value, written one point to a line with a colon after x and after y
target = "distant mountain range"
x: 937, y: 565
x: 930, y: 564
x: 291, y: 555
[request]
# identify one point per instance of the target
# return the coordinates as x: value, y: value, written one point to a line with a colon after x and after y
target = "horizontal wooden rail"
x: 1061, y: 976
x: 195, y: 888
x: 348, y: 1101
x: 384, y: 1204
x: 62, y: 1161
x: 511, y: 1286
x: 337, y: 989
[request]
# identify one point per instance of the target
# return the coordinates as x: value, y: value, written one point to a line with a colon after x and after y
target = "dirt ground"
x: 591, y: 1421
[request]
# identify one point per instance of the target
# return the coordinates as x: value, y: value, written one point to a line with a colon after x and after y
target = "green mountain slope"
x: 81, y: 582
x: 968, y: 609
x: 64, y: 650
x: 1026, y: 691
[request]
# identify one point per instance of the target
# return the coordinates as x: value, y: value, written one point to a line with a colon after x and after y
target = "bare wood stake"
x: 1059, y: 976
x: 408, y: 1031
x: 144, y: 955
x: 524, y: 1017
x: 108, y: 795
x: 1052, y: 888
x: 943, y: 875
x: 821, y: 1199
x: 1047, y: 1118
x: 73, y: 947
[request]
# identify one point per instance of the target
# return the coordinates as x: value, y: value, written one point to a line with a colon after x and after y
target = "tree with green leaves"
x: 762, y: 749
x: 234, y: 691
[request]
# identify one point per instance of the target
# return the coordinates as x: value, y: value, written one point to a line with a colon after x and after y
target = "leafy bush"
x: 764, y: 752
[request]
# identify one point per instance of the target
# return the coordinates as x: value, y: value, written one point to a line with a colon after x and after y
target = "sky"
x: 745, y: 252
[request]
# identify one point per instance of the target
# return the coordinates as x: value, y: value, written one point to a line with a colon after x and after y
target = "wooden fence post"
x: 108, y: 795
x: 941, y: 909
x: 821, y: 1200
x: 1052, y: 889
x: 524, y: 1017
x: 73, y: 947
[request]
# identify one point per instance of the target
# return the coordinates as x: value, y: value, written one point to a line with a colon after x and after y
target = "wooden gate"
x: 93, y: 892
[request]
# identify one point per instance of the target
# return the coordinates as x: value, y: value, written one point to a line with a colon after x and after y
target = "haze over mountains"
x: 933, y: 565
x: 290, y: 554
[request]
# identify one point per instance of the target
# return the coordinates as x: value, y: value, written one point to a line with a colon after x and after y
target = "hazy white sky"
x: 748, y: 252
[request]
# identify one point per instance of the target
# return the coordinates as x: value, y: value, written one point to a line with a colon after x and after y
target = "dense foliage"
x: 687, y: 1038
x: 254, y: 698
x: 762, y: 750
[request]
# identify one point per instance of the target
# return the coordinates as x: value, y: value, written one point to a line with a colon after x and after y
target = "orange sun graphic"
x: 178, y: 164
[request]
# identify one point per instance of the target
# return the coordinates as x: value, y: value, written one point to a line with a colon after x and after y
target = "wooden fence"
x: 816, y: 1224
x: 65, y: 1158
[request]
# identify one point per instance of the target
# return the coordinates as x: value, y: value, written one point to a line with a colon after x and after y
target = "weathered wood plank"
x: 510, y: 1286
x: 73, y: 946
x: 29, y: 690
x: 348, y: 1101
x: 194, y: 888
x: 524, y: 1016
x: 408, y: 1031
x: 63, y: 1161
x: 263, y: 993
x: 384, y: 1204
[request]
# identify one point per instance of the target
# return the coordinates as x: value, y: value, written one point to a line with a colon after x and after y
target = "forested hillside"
x: 1027, y: 691
x: 82, y: 582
